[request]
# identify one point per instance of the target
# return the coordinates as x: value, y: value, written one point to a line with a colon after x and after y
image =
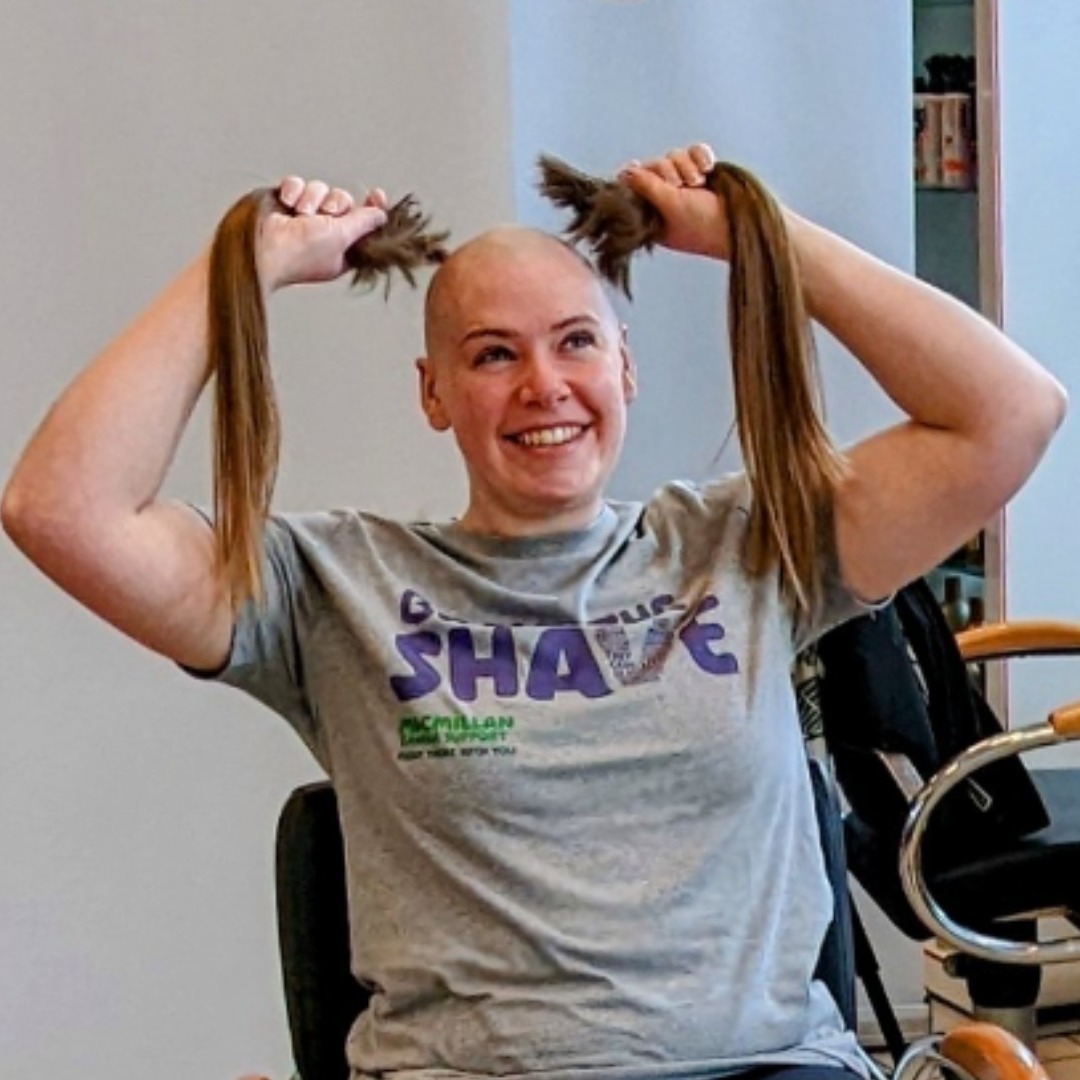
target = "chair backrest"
x: 894, y: 689
x: 836, y: 964
x: 321, y: 995
x: 323, y: 998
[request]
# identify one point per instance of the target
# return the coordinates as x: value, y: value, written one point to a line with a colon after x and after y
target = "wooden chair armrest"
x: 1066, y: 720
x: 998, y: 641
x: 987, y: 1052
x: 970, y: 1051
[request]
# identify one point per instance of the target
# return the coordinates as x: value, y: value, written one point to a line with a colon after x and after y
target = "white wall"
x: 136, y: 807
x: 1040, y: 159
x: 814, y: 98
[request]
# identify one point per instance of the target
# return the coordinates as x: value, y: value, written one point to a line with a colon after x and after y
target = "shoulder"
x: 710, y: 513
x: 325, y: 535
x: 717, y: 496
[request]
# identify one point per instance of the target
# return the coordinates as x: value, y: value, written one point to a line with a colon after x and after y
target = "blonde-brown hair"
x: 246, y: 425
x: 791, y: 464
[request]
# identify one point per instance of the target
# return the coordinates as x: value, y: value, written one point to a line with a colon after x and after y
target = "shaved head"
x: 461, y: 278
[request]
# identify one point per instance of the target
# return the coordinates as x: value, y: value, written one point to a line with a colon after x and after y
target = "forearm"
x: 942, y: 363
x: 106, y: 444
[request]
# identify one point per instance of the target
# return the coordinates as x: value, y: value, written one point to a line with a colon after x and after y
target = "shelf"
x: 941, y: 189
x: 964, y: 565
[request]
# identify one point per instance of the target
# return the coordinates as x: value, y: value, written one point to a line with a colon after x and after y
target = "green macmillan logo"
x: 453, y: 736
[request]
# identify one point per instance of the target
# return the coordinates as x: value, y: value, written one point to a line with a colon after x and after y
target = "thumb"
x: 359, y: 222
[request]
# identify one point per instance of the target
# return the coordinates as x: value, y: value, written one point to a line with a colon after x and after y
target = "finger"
x: 290, y: 189
x: 703, y: 156
x: 311, y: 198
x: 665, y: 169
x: 689, y: 173
x: 646, y: 182
x: 376, y: 197
x: 338, y: 201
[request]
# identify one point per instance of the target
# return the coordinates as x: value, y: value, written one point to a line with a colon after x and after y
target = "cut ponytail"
x: 246, y: 422
x: 791, y: 463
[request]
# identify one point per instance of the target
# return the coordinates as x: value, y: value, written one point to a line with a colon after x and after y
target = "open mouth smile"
x: 551, y: 436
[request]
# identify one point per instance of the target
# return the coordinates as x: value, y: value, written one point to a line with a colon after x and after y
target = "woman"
x: 561, y: 729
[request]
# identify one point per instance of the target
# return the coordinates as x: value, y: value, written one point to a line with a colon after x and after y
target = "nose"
x: 542, y: 381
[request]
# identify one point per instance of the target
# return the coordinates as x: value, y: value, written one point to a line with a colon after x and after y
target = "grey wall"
x: 136, y: 807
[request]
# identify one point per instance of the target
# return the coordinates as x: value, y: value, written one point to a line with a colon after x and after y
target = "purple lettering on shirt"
x: 562, y: 661
x: 414, y: 608
x: 413, y: 648
x: 698, y: 637
x: 466, y: 667
x: 631, y: 669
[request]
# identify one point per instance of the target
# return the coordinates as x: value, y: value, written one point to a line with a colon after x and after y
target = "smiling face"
x: 528, y: 366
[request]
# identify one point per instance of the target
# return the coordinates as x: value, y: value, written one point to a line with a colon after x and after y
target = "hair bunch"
x: 246, y: 423
x: 791, y: 464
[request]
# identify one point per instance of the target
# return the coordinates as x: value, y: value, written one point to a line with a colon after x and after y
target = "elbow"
x: 1050, y: 413
x: 12, y: 511
x: 17, y: 515
x: 32, y: 521
x: 1061, y: 404
x: 1020, y: 439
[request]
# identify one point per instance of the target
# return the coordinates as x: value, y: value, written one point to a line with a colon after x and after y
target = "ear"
x: 629, y: 368
x: 429, y: 394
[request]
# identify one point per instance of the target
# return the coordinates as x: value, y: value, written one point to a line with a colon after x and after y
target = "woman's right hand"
x: 695, y: 217
x: 305, y: 237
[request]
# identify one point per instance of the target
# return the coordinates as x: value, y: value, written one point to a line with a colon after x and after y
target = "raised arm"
x: 981, y: 413
x: 83, y: 501
x: 980, y: 410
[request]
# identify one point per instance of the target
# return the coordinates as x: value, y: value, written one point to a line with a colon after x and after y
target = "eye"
x: 579, y: 339
x: 491, y: 355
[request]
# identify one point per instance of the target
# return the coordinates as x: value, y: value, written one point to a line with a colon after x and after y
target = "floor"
x: 1060, y: 1055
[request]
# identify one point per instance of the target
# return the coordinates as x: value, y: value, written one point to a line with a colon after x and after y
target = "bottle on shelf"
x: 928, y: 110
x: 944, y: 116
x: 955, y: 605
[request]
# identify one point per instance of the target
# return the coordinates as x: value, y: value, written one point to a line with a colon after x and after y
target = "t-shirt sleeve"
x: 839, y: 602
x: 265, y: 656
x: 727, y: 498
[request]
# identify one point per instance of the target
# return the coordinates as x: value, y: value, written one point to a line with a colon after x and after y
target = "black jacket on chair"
x: 894, y: 683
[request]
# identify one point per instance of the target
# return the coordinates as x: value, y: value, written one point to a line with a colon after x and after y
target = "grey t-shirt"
x: 580, y: 836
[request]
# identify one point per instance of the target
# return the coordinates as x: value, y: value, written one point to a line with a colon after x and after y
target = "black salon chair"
x: 947, y: 831
x: 978, y: 905
x: 323, y: 998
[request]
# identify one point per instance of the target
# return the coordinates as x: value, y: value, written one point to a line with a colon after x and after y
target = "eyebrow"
x: 506, y: 335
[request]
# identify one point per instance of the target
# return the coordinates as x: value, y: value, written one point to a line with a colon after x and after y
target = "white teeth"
x: 549, y: 436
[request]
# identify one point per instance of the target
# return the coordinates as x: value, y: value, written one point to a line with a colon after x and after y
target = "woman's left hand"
x: 695, y: 218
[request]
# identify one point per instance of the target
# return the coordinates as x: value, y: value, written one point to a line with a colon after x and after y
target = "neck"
x: 489, y: 521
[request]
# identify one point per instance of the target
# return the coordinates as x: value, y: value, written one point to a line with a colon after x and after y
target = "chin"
x: 563, y: 504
